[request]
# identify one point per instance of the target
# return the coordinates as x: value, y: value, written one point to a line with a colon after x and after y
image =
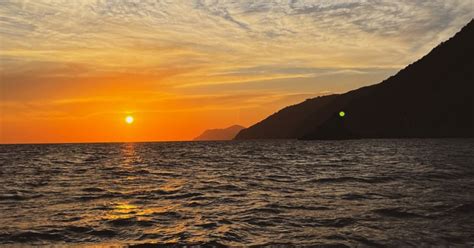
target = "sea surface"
x: 413, y: 192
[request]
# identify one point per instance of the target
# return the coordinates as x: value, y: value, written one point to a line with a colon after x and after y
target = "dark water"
x: 353, y: 193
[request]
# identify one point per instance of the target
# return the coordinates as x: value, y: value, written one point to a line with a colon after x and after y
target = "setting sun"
x: 129, y: 119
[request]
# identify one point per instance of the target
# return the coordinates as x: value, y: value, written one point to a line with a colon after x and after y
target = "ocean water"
x: 347, y: 193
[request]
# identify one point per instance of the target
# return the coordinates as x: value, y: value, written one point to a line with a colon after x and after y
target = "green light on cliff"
x: 342, y: 114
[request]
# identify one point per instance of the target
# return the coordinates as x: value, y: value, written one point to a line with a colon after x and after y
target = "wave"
x: 396, y: 213
x: 32, y: 236
x: 18, y: 196
x: 353, y: 179
x: 121, y: 222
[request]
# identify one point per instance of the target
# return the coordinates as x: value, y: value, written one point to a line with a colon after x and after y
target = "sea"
x: 353, y: 193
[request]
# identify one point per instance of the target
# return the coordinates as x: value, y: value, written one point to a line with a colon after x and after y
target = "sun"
x: 129, y: 119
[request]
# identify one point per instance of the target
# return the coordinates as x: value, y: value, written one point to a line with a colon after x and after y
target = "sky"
x: 72, y: 70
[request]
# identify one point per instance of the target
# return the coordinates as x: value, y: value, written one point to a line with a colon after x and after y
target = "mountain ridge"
x: 228, y: 133
x: 431, y: 97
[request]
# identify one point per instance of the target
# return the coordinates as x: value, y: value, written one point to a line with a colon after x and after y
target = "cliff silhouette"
x: 433, y: 97
x: 220, y: 134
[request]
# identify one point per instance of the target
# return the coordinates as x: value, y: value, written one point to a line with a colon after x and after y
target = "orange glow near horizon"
x: 71, y: 71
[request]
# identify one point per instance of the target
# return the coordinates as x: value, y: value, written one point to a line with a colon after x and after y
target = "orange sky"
x: 72, y: 70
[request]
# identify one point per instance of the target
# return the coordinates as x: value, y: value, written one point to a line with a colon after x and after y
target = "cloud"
x: 214, y: 38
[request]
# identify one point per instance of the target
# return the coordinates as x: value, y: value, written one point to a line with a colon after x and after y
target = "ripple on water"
x: 93, y: 189
x: 18, y: 196
x: 132, y: 221
x: 33, y: 236
x: 396, y: 213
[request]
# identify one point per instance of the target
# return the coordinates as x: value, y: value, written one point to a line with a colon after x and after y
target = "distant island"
x: 431, y: 98
x: 220, y: 134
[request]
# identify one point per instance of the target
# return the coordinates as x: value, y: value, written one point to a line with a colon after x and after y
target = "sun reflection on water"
x: 155, y: 215
x: 172, y: 185
x: 129, y: 154
x: 125, y: 210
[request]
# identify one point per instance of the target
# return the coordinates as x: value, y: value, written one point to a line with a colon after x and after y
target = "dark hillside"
x: 433, y: 97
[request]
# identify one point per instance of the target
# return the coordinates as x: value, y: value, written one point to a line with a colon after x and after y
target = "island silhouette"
x: 431, y: 98
x: 220, y: 133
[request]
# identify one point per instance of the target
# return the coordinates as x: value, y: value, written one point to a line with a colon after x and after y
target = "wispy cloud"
x: 207, y: 42
x: 213, y: 33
